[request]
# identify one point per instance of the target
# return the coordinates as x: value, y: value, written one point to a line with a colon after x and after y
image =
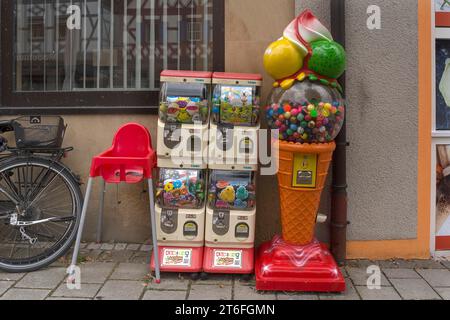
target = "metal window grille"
x: 120, y: 45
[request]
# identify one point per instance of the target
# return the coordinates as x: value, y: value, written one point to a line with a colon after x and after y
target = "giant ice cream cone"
x: 307, y: 109
x: 299, y: 207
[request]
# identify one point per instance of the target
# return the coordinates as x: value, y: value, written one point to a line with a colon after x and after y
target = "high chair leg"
x: 154, y: 236
x: 80, y: 227
x: 100, y: 212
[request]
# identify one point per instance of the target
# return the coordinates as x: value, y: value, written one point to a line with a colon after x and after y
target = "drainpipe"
x: 338, y: 219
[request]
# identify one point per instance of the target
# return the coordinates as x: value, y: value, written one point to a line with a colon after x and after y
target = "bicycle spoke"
x: 12, y: 187
x: 38, y: 185
x: 36, y: 192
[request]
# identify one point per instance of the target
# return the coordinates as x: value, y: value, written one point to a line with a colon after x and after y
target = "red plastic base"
x: 244, y: 264
x: 284, y: 267
x: 195, y: 265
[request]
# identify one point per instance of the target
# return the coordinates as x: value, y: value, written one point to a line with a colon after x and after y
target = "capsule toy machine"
x: 233, y: 163
x: 235, y: 121
x: 180, y: 213
x: 183, y: 118
x: 230, y: 222
x: 181, y: 187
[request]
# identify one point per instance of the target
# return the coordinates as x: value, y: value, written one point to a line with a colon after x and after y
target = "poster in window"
x: 442, y: 9
x: 443, y: 198
x: 443, y: 84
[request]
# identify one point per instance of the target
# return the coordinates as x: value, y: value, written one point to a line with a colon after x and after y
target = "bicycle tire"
x: 63, y: 245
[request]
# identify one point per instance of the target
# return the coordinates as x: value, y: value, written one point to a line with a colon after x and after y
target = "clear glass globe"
x: 308, y: 112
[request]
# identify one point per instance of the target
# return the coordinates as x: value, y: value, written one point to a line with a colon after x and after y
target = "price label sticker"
x: 177, y: 257
x: 228, y: 258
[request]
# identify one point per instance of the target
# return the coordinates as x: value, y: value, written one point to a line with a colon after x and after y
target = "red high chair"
x: 130, y: 159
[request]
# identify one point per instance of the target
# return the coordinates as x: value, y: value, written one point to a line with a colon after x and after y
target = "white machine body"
x: 181, y: 227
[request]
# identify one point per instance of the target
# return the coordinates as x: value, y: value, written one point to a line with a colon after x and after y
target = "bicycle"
x: 40, y: 197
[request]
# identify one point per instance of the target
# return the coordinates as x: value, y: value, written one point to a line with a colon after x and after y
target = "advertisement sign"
x: 443, y: 84
x: 443, y: 198
x: 442, y: 8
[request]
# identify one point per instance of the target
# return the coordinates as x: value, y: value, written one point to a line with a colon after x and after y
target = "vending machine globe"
x: 307, y: 109
x: 183, y: 118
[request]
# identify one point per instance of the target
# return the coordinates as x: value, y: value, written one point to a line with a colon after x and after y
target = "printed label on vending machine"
x: 177, y: 257
x: 228, y: 258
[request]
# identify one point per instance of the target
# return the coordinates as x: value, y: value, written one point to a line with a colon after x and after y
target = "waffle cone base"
x: 299, y: 206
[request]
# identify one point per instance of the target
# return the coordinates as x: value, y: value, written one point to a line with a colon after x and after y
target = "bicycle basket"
x: 39, y: 132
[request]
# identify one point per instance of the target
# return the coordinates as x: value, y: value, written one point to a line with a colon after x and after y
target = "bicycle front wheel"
x: 40, y: 208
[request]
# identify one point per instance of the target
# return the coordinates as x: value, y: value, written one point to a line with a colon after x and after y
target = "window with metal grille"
x: 103, y: 53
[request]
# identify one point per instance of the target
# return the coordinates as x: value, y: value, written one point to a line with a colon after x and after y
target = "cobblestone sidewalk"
x: 120, y: 272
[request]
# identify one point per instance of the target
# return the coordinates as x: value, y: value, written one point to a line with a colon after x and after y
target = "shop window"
x: 103, y: 54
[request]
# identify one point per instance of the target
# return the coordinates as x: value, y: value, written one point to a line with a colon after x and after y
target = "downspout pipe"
x: 338, y: 219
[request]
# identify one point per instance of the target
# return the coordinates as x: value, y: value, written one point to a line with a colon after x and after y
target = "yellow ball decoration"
x: 283, y: 59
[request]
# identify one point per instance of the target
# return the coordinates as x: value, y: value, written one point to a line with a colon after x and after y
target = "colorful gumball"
x: 317, y: 120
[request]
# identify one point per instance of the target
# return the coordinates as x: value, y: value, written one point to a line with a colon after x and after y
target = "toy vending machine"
x: 233, y: 140
x: 183, y: 118
x: 180, y: 213
x: 233, y: 161
x: 181, y: 188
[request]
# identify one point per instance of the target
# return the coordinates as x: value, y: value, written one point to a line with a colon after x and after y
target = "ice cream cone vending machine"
x: 181, y: 187
x: 233, y: 164
x: 307, y: 109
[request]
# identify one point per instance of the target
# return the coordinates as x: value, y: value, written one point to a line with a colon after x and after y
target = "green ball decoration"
x: 328, y: 58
